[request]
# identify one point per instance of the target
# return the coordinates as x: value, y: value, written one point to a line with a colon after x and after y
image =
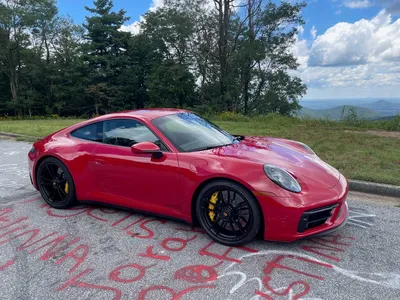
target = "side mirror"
x: 147, y: 148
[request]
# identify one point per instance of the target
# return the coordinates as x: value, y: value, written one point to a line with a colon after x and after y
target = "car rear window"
x: 92, y: 132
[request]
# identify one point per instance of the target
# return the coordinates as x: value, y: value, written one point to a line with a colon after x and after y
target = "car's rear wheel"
x: 55, y: 183
x: 228, y: 212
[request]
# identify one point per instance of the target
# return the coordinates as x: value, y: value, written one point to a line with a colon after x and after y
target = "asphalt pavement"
x: 93, y: 252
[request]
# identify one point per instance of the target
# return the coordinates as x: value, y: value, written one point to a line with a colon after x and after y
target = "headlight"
x: 282, y: 178
x: 308, y: 148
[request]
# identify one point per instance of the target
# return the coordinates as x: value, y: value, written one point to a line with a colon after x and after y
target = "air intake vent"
x: 315, y: 217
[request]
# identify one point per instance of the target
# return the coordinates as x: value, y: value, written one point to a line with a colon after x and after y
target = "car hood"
x: 287, y: 154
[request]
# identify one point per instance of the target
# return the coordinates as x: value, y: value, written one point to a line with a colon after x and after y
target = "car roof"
x: 152, y: 113
x: 147, y: 113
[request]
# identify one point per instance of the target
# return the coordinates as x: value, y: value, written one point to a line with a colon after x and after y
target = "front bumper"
x: 291, y: 219
x: 334, y: 229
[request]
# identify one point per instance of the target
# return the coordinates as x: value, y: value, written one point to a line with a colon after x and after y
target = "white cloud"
x: 300, y: 30
x: 352, y: 57
x: 156, y: 4
x: 133, y: 28
x: 300, y: 51
x: 357, y: 43
x: 313, y: 32
x: 357, y: 3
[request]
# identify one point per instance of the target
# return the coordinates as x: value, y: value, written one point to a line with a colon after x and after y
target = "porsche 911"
x: 173, y: 163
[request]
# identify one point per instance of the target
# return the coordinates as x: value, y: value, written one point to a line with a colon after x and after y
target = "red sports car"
x: 174, y: 163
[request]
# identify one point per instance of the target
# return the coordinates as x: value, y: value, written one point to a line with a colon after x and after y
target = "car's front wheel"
x: 55, y: 183
x: 228, y: 212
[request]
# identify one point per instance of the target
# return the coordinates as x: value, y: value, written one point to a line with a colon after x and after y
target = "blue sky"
x: 322, y: 14
x: 77, y: 11
x: 346, y: 49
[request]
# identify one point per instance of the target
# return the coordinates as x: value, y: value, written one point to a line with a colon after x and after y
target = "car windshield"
x: 188, y: 132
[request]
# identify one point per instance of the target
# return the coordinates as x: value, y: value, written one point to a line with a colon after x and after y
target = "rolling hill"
x: 383, y: 107
x: 339, y: 112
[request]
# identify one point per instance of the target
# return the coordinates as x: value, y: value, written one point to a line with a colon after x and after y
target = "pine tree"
x: 105, y: 55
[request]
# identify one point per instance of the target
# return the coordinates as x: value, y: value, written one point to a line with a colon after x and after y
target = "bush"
x: 47, y: 117
x: 232, y: 116
x: 94, y: 116
x: 394, y: 124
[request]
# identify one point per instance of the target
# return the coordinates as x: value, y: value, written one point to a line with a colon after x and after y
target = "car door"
x: 141, y: 181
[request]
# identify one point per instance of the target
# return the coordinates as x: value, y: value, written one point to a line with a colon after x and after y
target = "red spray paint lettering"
x: 7, y: 264
x: 323, y: 246
x: 197, y: 273
x: 304, y: 285
x: 224, y: 256
x: 79, y: 254
x: 115, y: 275
x: 175, y: 295
x: 166, y: 244
x: 150, y: 233
x: 149, y: 253
x: 76, y: 282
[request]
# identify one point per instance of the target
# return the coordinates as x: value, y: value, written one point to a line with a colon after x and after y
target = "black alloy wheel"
x: 228, y: 212
x: 55, y: 183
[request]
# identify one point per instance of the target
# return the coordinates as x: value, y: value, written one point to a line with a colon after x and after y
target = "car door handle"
x: 99, y: 162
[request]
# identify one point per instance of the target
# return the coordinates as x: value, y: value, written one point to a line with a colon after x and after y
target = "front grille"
x: 315, y: 217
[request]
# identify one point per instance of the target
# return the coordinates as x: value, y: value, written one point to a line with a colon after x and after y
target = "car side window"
x: 92, y: 132
x: 122, y: 132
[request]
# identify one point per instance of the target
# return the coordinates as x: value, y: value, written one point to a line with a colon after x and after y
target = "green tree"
x: 26, y: 32
x: 263, y: 57
x: 15, y: 21
x: 68, y: 76
x: 201, y: 40
x: 171, y: 85
x: 187, y: 54
x: 105, y: 55
x: 143, y: 58
x: 171, y: 81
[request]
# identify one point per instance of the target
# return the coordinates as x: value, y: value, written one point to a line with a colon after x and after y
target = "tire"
x: 228, y: 212
x: 55, y: 183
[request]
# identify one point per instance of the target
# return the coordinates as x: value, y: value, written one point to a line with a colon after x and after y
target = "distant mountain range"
x: 326, y: 109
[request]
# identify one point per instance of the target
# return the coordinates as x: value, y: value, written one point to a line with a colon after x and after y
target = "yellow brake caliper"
x: 213, y: 200
x: 66, y: 188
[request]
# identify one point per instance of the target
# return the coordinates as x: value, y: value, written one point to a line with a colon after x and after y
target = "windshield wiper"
x: 238, y: 137
x: 211, y: 147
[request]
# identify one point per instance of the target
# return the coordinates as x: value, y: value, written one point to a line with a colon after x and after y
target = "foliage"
x: 187, y: 54
x: 231, y: 116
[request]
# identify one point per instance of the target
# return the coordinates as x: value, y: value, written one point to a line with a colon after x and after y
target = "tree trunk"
x: 13, y: 88
x: 247, y: 71
x: 223, y: 18
x: 47, y: 51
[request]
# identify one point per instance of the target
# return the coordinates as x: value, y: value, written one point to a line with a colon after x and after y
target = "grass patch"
x: 36, y: 128
x: 358, y: 156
